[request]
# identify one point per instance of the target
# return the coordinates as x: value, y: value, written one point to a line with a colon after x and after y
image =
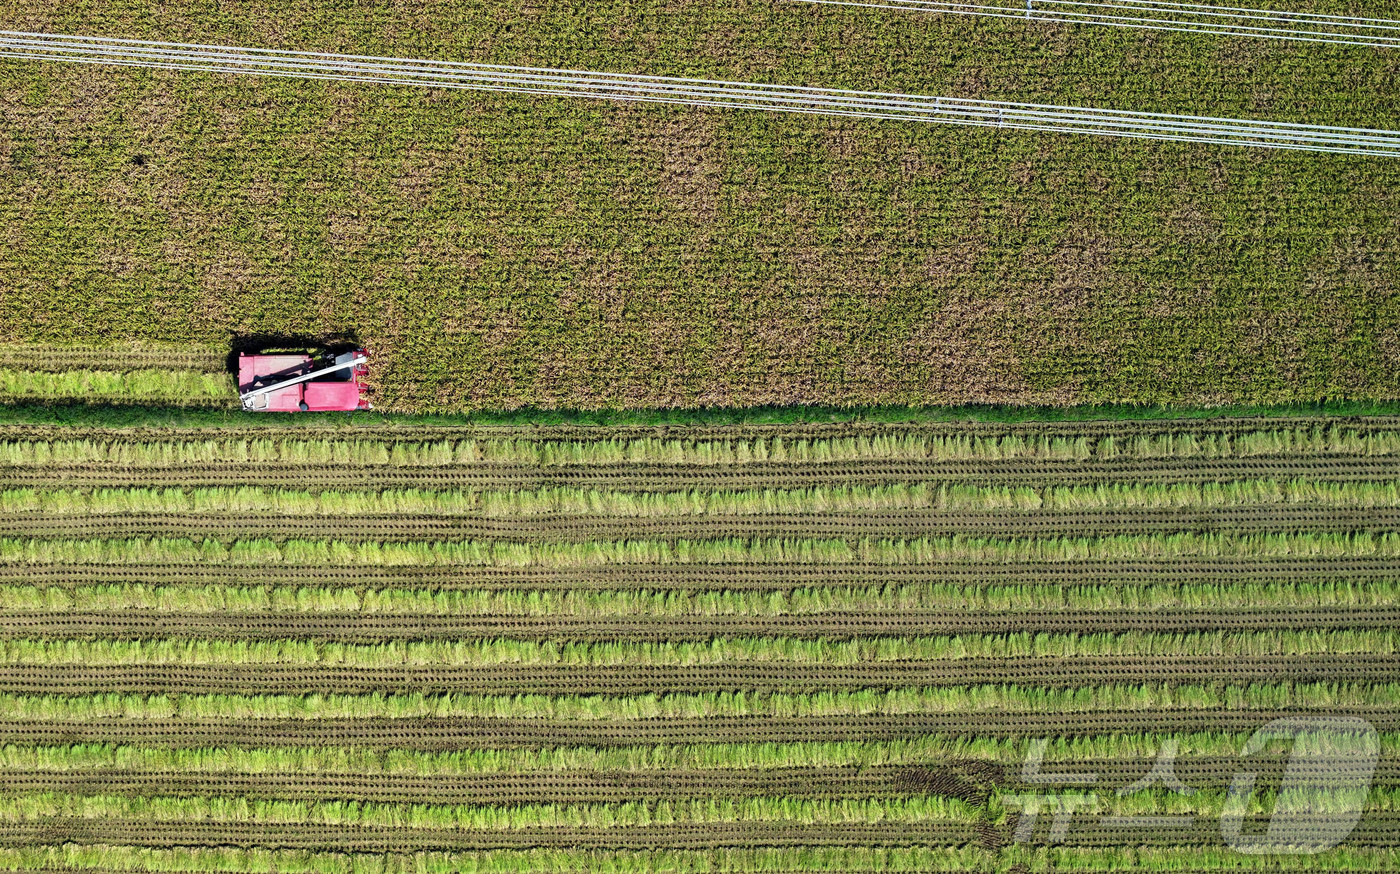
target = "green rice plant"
x: 718, y: 860
x: 699, y: 705
x: 1211, y: 803
x: 813, y: 601
x: 556, y: 501
x: 704, y: 452
x: 717, y: 651
x: 43, y: 806
x: 1318, y: 439
x: 925, y: 751
x: 495, y: 504
x: 923, y: 550
x: 1245, y: 493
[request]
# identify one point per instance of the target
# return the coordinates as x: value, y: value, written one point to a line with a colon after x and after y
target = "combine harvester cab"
x: 298, y: 382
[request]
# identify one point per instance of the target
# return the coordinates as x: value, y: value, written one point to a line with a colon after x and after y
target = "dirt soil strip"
x: 1376, y: 829
x: 969, y: 781
x: 396, y: 433
x: 581, y: 529
x: 666, y: 478
x: 433, y: 734
x: 57, y: 679
x: 386, y: 839
x: 757, y: 576
x: 844, y: 625
x: 564, y: 788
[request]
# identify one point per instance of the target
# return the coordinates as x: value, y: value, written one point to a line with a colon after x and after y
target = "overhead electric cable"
x: 699, y: 92
x: 1167, y: 16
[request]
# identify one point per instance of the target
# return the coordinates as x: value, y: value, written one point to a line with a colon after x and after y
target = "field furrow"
x: 446, y: 734
x: 583, y: 529
x: 968, y: 780
x: 1213, y: 431
x: 667, y: 478
x: 1374, y: 831
x: 567, y: 788
x: 720, y: 576
x: 60, y: 679
x: 835, y: 625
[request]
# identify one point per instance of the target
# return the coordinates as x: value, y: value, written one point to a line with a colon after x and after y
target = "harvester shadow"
x: 252, y: 344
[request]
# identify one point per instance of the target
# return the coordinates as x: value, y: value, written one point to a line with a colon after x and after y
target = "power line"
x: 699, y: 92
x: 1168, y: 16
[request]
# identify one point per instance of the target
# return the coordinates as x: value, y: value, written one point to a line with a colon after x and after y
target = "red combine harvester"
x: 297, y: 382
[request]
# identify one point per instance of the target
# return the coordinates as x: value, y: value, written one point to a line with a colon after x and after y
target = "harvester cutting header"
x: 300, y: 382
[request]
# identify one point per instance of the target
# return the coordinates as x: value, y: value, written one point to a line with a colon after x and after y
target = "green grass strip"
x: 1150, y: 496
x: 1212, y: 802
x: 531, y: 861
x: 219, y: 809
x: 475, y: 553
x: 718, y: 651
x: 542, y: 452
x: 927, y: 750
x: 171, y: 386
x: 588, y: 708
x: 595, y: 502
x: 797, y: 602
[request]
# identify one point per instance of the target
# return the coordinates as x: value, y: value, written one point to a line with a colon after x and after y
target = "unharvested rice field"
x: 498, y: 250
x: 391, y: 648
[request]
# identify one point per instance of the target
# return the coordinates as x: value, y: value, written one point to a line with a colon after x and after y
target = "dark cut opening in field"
x: 255, y: 344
